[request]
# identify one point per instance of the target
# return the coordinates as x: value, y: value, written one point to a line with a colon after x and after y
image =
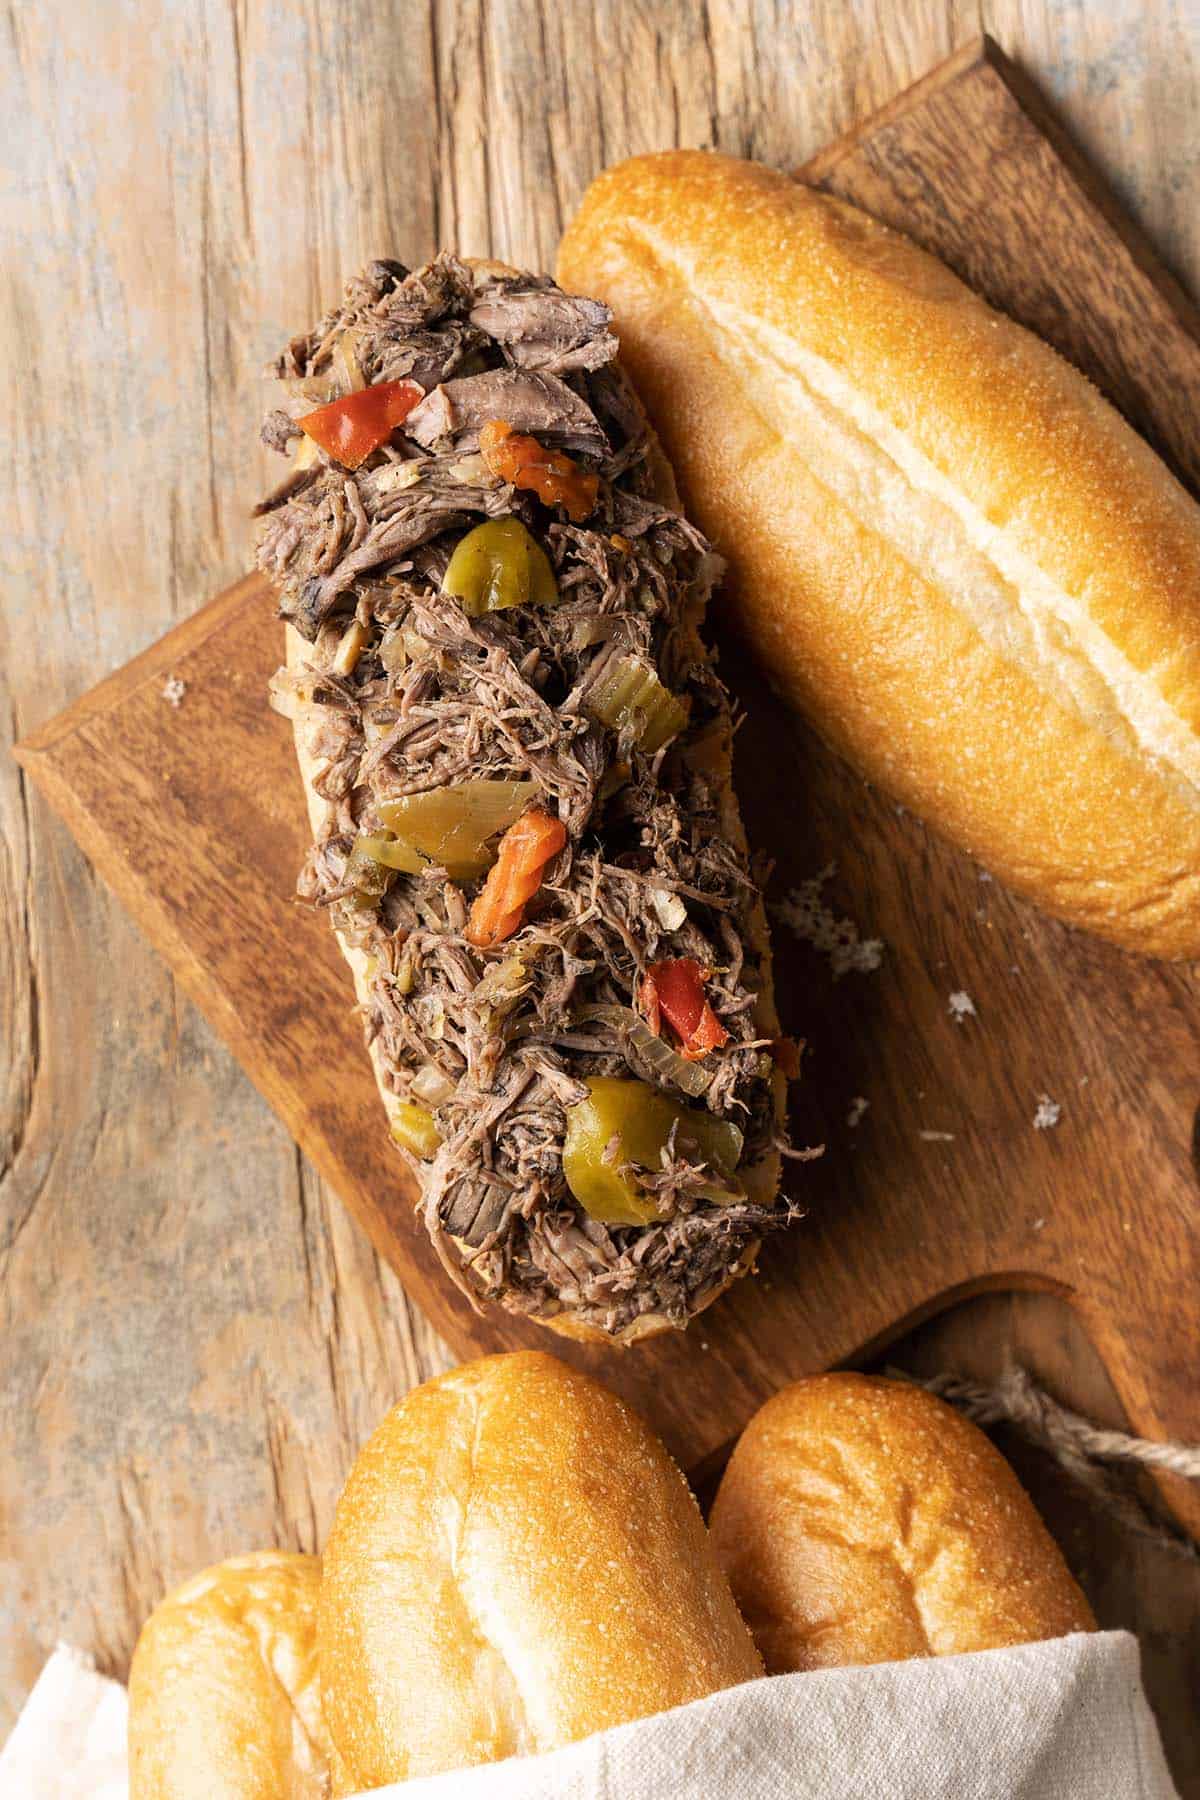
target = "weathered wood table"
x: 193, y: 1336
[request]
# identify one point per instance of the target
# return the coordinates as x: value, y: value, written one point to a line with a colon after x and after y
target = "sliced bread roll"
x: 980, y: 584
x: 655, y: 847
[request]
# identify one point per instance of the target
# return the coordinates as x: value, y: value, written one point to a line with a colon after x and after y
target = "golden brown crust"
x: 862, y: 1520
x: 763, y: 1181
x: 515, y: 1562
x: 945, y: 546
x: 223, y: 1695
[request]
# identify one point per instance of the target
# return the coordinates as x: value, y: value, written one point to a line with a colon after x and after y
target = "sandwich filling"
x: 522, y: 748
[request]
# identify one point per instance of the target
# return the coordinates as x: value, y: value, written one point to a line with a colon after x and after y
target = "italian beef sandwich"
x: 516, y: 753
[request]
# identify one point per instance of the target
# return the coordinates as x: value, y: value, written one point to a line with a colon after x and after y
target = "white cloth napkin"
x: 69, y: 1742
x: 1065, y: 1720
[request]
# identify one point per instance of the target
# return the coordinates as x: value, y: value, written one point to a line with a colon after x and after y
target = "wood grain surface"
x: 189, y: 810
x: 177, y: 1294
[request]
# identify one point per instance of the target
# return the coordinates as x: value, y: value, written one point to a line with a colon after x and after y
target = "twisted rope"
x: 1080, y: 1448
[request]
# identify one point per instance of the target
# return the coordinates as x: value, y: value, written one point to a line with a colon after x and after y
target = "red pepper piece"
x: 550, y: 474
x: 674, y: 990
x: 515, y: 877
x: 350, y: 428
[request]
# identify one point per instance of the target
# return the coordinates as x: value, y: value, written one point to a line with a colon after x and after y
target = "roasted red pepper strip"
x: 674, y: 990
x: 550, y: 474
x: 350, y: 428
x: 515, y: 877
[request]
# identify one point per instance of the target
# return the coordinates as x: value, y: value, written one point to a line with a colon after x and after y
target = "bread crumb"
x: 858, y: 1107
x: 173, y: 690
x: 1048, y: 1113
x: 1037, y: 1224
x: 805, y: 913
x: 936, y: 1137
x: 962, y: 1007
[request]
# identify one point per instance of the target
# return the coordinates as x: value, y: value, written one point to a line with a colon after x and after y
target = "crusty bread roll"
x: 862, y: 1520
x: 515, y: 1562
x: 946, y: 547
x: 224, y: 1702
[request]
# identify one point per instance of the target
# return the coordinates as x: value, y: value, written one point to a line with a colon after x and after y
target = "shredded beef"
x: 540, y: 404
x: 498, y: 1044
x: 278, y: 430
x: 425, y: 356
x: 540, y: 327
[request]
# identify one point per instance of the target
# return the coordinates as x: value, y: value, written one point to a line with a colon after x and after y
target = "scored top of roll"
x: 223, y: 1690
x: 948, y: 548
x: 515, y: 1562
x: 862, y: 1520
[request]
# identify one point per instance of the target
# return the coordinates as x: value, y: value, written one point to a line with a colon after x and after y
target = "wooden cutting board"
x: 193, y: 814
